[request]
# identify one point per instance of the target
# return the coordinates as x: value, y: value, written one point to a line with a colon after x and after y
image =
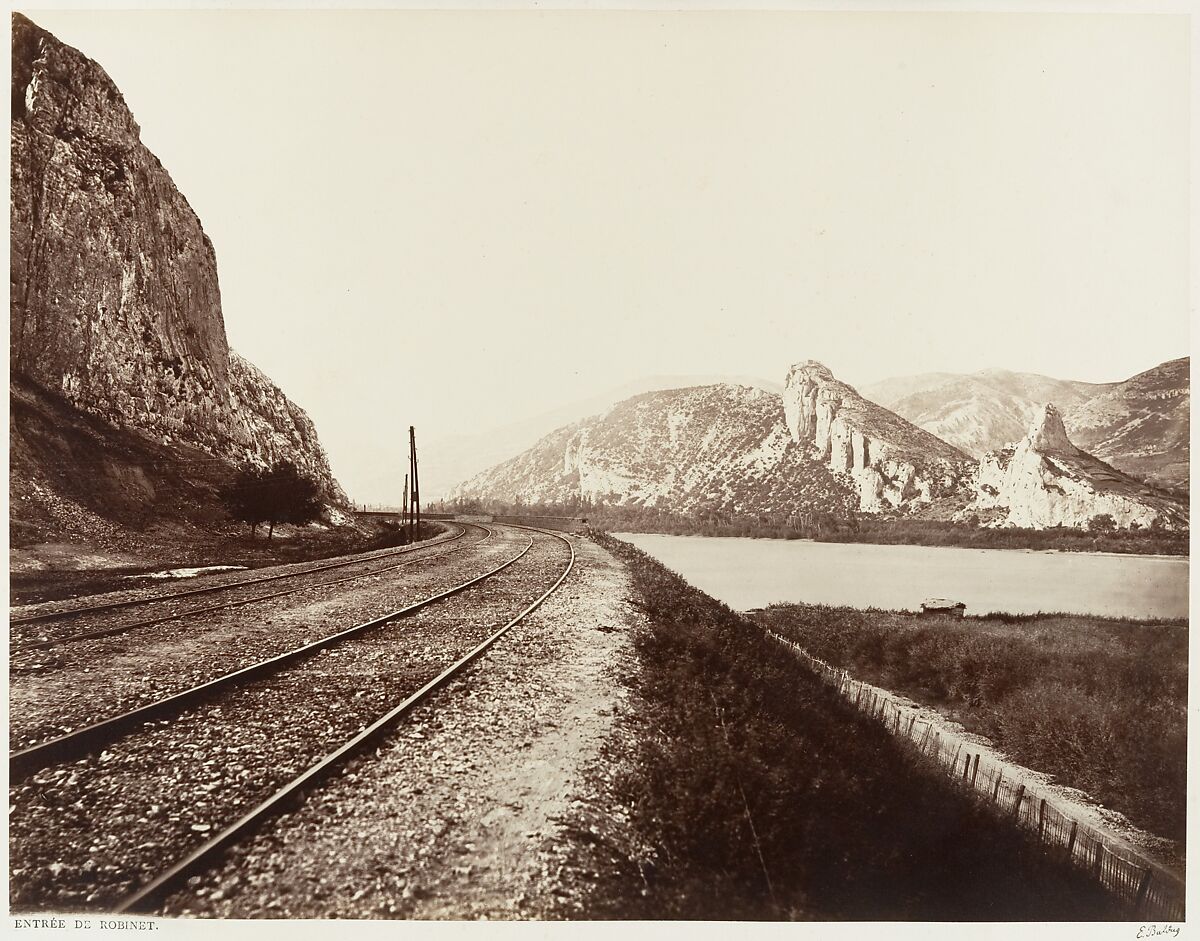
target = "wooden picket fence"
x: 1152, y: 892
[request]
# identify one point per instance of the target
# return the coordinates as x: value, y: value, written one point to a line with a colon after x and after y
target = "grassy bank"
x: 1099, y: 703
x: 847, y: 822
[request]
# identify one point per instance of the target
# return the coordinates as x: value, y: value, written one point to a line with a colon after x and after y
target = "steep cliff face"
x: 722, y: 447
x: 893, y: 464
x: 115, y: 305
x: 1045, y: 480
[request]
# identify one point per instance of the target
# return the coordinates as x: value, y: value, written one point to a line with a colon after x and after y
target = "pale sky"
x: 460, y: 220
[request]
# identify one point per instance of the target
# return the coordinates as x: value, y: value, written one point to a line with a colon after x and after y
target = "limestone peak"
x: 811, y: 370
x: 1048, y: 433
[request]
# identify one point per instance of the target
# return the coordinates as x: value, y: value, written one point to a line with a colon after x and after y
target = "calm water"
x: 752, y: 573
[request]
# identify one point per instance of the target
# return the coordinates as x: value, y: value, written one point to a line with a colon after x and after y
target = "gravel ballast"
x: 466, y: 811
x: 85, y: 681
x: 84, y: 834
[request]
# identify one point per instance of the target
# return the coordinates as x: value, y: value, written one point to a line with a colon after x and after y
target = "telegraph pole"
x: 404, y: 511
x: 416, y: 487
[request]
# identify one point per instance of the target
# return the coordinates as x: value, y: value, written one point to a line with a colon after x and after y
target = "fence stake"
x: 996, y: 789
x: 1041, y: 819
x: 975, y: 771
x: 1071, y: 841
x: 1141, y: 892
x: 954, y: 763
x: 1098, y: 861
x: 1017, y: 805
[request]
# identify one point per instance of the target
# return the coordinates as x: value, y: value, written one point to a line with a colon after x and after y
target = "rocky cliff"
x: 114, y: 301
x: 893, y: 464
x: 1045, y: 480
x: 1139, y: 425
x: 719, y: 447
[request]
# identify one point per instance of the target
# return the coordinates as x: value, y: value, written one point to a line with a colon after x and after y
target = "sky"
x: 462, y: 220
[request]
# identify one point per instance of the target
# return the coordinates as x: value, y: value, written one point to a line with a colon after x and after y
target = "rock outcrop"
x: 1045, y: 480
x: 115, y: 305
x: 893, y: 464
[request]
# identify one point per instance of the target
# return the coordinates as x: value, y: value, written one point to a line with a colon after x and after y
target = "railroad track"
x: 268, y: 734
x: 109, y: 628
x: 73, y: 610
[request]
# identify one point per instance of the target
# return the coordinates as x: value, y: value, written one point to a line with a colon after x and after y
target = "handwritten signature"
x: 1158, y: 931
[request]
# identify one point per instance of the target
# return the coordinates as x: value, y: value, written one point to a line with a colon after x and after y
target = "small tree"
x: 245, y: 497
x: 280, y: 494
x: 1102, y: 523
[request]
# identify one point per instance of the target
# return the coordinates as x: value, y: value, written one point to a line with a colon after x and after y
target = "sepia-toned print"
x: 709, y: 466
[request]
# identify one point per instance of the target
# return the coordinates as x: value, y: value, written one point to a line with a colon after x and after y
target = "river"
x: 752, y: 573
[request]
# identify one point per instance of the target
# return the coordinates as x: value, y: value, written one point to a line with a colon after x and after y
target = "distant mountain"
x: 721, y: 447
x: 1140, y: 426
x: 1045, y: 480
x: 450, y: 459
x: 818, y: 446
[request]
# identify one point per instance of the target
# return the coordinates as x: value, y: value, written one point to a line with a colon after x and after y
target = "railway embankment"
x: 629, y: 749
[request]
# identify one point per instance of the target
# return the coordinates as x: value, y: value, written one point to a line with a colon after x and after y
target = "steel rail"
x: 76, y: 744
x: 147, y: 897
x: 125, y: 628
x: 132, y: 602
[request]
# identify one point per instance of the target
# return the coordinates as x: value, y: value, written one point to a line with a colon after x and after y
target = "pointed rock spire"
x: 1047, y: 432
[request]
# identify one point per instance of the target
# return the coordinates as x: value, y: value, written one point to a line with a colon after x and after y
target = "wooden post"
x: 1041, y: 819
x: 996, y: 789
x: 1071, y: 840
x: 975, y: 771
x: 416, y: 486
x: 411, y: 466
x: 1143, y: 887
x: 1017, y: 805
x: 1098, y: 862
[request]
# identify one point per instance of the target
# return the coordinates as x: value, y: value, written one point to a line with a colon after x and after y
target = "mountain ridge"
x: 1140, y: 425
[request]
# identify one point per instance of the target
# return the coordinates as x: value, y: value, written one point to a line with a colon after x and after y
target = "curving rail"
x: 207, y: 609
x: 187, y: 592
x: 81, y: 742
x: 152, y: 893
